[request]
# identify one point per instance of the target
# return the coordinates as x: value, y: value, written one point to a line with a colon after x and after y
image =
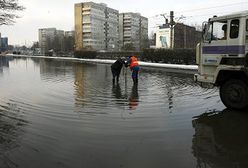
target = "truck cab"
x: 222, y: 58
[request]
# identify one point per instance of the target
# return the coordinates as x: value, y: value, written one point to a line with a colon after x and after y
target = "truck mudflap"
x: 203, y: 78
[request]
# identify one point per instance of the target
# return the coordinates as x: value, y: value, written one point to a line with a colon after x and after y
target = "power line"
x: 200, y: 15
x: 220, y: 6
x: 206, y: 8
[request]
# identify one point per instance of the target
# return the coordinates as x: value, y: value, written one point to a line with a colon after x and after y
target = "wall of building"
x: 97, y: 26
x: 112, y: 29
x: 144, y: 33
x: 183, y: 36
x: 78, y: 26
x: 51, y: 39
x: 4, y: 44
x: 133, y: 29
x: 46, y: 38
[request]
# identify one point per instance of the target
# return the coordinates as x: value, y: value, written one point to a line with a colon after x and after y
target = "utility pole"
x: 172, y: 23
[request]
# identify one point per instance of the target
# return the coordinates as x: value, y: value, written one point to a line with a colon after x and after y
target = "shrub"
x: 173, y: 56
x: 85, y: 54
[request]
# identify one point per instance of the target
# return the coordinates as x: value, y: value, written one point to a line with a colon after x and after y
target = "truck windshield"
x: 216, y: 31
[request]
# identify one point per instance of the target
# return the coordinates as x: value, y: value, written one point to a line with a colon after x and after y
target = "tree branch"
x: 7, y: 9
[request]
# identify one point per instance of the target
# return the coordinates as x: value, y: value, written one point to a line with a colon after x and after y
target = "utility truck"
x: 222, y: 58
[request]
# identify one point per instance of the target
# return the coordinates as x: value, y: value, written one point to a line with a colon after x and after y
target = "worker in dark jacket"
x: 116, y: 69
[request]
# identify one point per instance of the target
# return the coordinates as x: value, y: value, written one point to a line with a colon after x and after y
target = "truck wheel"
x: 234, y: 94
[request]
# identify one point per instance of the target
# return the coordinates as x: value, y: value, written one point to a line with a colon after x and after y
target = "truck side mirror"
x: 204, y: 28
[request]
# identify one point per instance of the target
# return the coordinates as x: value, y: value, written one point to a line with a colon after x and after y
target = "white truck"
x: 222, y: 58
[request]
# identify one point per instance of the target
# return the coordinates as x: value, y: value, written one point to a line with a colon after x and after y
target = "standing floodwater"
x: 69, y: 114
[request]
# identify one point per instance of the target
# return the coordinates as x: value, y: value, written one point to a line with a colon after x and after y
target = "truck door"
x: 235, y: 42
x: 214, y: 47
x: 215, y: 43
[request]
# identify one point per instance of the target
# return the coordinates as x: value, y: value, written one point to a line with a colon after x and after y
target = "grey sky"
x: 60, y: 14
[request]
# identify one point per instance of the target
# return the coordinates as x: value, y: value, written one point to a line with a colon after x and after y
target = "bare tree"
x: 7, y: 11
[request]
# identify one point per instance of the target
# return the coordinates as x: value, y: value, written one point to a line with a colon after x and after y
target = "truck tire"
x: 234, y: 94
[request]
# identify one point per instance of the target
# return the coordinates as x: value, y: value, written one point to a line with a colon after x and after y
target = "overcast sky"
x: 60, y: 14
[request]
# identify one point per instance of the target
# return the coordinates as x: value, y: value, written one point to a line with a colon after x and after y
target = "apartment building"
x: 69, y: 41
x: 3, y: 43
x: 46, y: 37
x: 69, y: 33
x: 133, y: 29
x: 96, y: 27
x: 51, y: 39
x: 59, y: 40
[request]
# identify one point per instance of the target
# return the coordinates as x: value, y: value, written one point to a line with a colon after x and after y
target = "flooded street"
x: 69, y: 114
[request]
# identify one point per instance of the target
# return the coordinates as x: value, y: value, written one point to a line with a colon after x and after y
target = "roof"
x: 230, y: 16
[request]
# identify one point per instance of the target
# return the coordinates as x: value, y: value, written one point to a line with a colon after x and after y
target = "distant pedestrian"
x: 116, y: 69
x: 135, y: 68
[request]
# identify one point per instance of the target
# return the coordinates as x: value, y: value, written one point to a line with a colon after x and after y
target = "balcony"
x: 86, y: 9
x: 87, y: 31
x: 127, y: 35
x: 86, y: 13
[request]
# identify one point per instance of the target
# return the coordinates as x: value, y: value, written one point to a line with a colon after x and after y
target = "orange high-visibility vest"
x: 134, y: 62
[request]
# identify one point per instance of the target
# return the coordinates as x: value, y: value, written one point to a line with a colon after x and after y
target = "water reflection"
x: 4, y: 62
x: 134, y: 98
x: 220, y: 139
x: 116, y: 89
x: 79, y: 84
x: 55, y: 70
x: 77, y: 118
x: 11, y: 131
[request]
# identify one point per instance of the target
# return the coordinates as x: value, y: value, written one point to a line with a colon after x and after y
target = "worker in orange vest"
x: 135, y: 68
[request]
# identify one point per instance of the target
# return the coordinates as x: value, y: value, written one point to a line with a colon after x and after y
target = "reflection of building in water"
x: 220, y: 140
x: 91, y: 83
x: 134, y: 98
x: 54, y: 69
x: 79, y: 83
x: 4, y: 62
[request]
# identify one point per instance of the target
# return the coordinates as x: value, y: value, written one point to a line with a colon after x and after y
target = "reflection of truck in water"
x: 220, y: 139
x: 222, y: 57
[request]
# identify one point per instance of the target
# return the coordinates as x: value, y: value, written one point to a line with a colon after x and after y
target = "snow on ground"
x: 103, y: 61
